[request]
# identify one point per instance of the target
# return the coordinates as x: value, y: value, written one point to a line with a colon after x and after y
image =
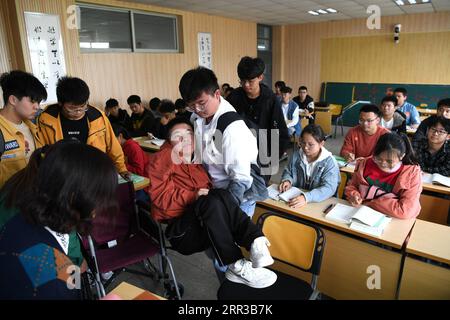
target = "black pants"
x: 213, y: 221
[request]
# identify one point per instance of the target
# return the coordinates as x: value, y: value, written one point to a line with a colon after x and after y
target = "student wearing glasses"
x: 390, y: 181
x: 22, y: 93
x: 360, y: 141
x: 73, y: 118
x: 433, y: 151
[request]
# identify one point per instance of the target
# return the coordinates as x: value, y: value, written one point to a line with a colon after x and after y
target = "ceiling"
x: 281, y: 12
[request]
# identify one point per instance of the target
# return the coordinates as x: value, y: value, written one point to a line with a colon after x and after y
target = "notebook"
x: 285, y: 196
x: 363, y: 219
x: 156, y: 141
x: 436, y: 178
x: 343, y: 163
x: 134, y: 178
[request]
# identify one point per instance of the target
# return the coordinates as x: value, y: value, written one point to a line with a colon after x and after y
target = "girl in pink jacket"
x: 390, y: 181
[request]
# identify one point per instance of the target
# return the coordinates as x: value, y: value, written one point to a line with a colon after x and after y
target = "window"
x: 104, y: 29
x: 264, y: 44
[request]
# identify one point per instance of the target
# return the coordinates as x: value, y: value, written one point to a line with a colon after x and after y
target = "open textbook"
x: 363, y: 219
x: 285, y: 196
x: 436, y: 178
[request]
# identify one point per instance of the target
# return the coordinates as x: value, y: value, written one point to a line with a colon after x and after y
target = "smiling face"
x: 437, y: 135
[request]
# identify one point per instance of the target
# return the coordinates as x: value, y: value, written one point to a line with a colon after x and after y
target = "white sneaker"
x: 242, y: 272
x: 260, y: 254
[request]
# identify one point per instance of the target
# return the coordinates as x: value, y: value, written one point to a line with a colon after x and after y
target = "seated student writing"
x: 198, y: 216
x: 116, y: 115
x: 74, y: 118
x: 136, y: 159
x: 391, y: 120
x: 361, y: 140
x: 142, y: 119
x: 443, y: 110
x: 312, y: 167
x: 55, y: 196
x: 390, y: 181
x: 433, y: 151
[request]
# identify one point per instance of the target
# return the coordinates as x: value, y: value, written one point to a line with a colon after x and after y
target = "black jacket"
x: 123, y: 120
x: 143, y: 124
x: 266, y: 113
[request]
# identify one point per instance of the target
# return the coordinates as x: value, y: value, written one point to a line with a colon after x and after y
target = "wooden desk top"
x: 426, y: 111
x: 430, y: 240
x: 141, y: 184
x: 129, y: 292
x: 394, y: 235
x: 145, y: 145
x: 426, y: 186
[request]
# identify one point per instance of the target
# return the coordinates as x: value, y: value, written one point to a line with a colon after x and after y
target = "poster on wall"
x: 46, y: 50
x: 205, y: 50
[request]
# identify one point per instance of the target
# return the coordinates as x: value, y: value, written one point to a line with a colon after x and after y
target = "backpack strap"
x: 2, y: 143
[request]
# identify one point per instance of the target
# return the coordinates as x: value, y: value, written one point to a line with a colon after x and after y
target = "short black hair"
x: 118, y: 129
x: 440, y: 120
x: 316, y: 131
x: 229, y: 89
x: 180, y: 104
x: 196, y: 81
x: 70, y: 180
x: 280, y: 84
x: 370, y: 108
x: 111, y: 103
x: 167, y: 106
x: 225, y: 85
x: 250, y: 68
x: 401, y: 90
x: 155, y: 103
x: 22, y: 84
x: 392, y: 99
x: 134, y: 99
x: 72, y: 90
x: 303, y: 88
x: 444, y: 103
x: 175, y: 121
x: 286, y: 89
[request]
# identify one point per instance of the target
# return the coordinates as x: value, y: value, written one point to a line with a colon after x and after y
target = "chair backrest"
x: 336, y: 109
x: 117, y: 225
x: 293, y: 240
x: 342, y: 185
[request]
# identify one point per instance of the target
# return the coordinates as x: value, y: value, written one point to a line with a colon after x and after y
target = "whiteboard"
x: 46, y: 50
x: 205, y: 50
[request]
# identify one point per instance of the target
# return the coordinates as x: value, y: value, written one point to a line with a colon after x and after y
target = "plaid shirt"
x: 433, y: 163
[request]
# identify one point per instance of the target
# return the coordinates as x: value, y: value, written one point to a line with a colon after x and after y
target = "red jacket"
x: 135, y: 158
x: 402, y: 202
x: 173, y: 187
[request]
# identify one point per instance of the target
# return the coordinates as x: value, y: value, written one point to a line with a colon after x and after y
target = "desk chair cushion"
x: 286, y: 288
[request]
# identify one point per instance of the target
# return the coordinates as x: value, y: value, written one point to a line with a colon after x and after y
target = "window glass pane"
x: 263, y: 32
x: 155, y: 32
x: 104, y: 29
x: 263, y: 45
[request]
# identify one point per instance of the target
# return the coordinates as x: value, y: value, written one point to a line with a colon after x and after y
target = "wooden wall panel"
x: 303, y: 52
x: 147, y: 74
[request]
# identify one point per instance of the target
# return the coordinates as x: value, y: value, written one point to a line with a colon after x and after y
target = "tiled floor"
x: 196, y: 272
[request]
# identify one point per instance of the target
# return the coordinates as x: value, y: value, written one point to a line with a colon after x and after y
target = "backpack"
x: 258, y: 190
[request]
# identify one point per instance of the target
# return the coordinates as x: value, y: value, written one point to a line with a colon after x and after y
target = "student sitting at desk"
x: 312, y: 168
x: 55, y: 197
x: 390, y: 181
x: 142, y: 119
x: 391, y: 120
x: 412, y: 115
x: 433, y: 152
x: 443, y: 110
x: 361, y: 140
x: 116, y: 115
x: 198, y: 216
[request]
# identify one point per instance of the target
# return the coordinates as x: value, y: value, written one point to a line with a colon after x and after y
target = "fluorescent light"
x: 85, y: 45
x: 399, y: 2
x: 331, y: 10
x: 425, y: 1
x: 313, y: 13
x: 412, y: 1
x: 100, y: 45
x: 322, y: 11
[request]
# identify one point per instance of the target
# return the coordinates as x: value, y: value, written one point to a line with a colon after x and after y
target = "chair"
x: 295, y: 243
x: 336, y: 115
x: 117, y: 241
x: 342, y: 185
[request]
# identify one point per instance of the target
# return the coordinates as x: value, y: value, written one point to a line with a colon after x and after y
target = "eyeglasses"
x: 304, y: 145
x: 77, y: 111
x: 197, y: 107
x: 438, y: 132
x: 251, y: 82
x: 390, y: 163
x: 361, y: 121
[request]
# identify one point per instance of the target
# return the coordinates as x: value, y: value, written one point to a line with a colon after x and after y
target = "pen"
x: 328, y: 208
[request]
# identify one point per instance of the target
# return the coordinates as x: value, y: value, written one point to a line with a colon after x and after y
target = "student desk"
x: 145, y: 145
x: 349, y: 255
x: 129, y: 292
x: 426, y: 112
x: 434, y: 200
x: 421, y: 279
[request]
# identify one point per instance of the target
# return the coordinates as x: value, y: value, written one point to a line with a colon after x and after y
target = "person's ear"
x: 13, y: 100
x: 261, y: 77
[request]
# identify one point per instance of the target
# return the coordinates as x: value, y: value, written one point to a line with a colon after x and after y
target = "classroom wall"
x: 346, y: 51
x: 147, y: 74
